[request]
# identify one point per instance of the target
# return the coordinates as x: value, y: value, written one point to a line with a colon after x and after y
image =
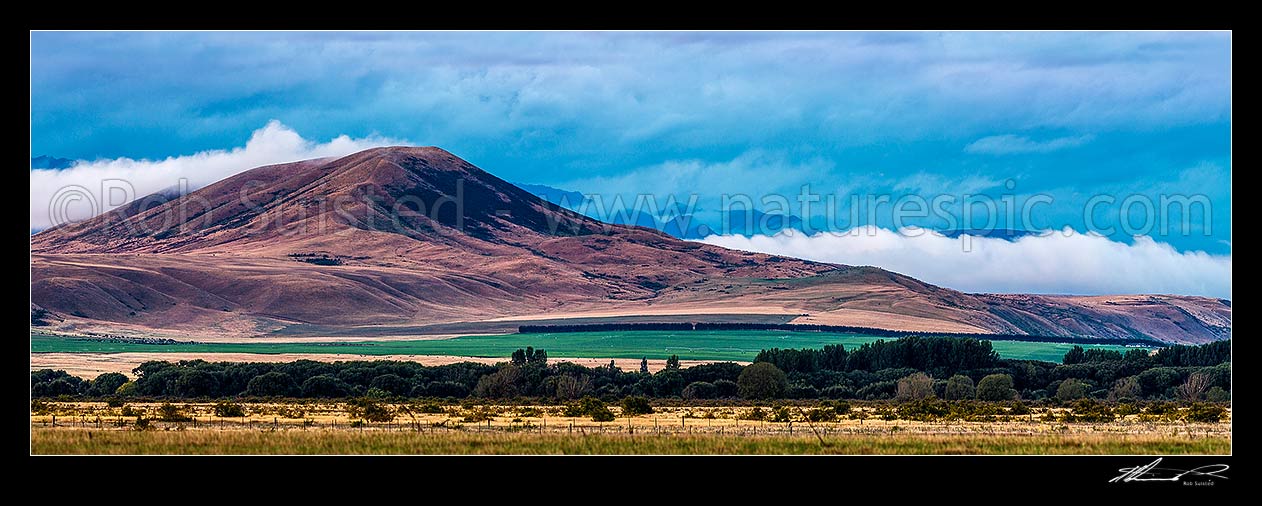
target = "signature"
x: 1151, y: 472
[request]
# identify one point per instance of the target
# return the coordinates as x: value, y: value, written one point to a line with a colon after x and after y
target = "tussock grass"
x: 85, y: 441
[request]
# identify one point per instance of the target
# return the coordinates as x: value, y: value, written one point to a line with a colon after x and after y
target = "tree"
x: 668, y: 383
x: 500, y: 384
x: 1217, y: 394
x: 519, y: 357
x: 391, y: 383
x: 540, y: 357
x: 571, y: 387
x: 1194, y: 387
x: 272, y: 384
x: 996, y: 387
x: 1127, y: 388
x: 1071, y: 389
x: 126, y: 389
x: 761, y: 380
x: 644, y: 365
x: 196, y: 383
x: 672, y: 363
x: 959, y: 387
x: 700, y: 390
x: 632, y: 406
x: 915, y: 386
x: 612, y: 365
x: 107, y: 384
x: 1076, y: 355
x: 724, y: 389
x: 324, y: 386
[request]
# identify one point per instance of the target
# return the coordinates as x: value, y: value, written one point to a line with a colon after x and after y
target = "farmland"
x: 733, y: 345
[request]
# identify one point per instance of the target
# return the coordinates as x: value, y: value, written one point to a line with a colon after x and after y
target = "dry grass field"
x: 330, y: 428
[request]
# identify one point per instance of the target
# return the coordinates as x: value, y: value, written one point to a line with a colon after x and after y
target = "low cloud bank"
x: 1053, y: 263
x: 75, y: 193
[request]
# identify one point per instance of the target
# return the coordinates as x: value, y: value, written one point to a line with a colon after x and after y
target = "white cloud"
x: 1015, y: 144
x: 52, y: 190
x: 1054, y: 263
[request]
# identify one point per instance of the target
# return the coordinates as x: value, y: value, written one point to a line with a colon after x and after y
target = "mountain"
x: 50, y: 162
x: 676, y: 222
x: 755, y: 222
x: 402, y: 240
x: 996, y: 233
x: 564, y: 198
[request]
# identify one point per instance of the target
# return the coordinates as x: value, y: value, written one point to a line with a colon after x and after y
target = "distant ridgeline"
x: 841, y: 329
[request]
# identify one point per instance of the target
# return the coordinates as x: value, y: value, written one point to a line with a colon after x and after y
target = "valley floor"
x: 89, y: 358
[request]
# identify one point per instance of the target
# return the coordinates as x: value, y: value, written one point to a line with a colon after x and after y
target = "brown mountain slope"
x: 394, y: 238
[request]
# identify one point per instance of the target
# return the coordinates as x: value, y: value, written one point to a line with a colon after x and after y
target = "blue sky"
x: 1069, y: 115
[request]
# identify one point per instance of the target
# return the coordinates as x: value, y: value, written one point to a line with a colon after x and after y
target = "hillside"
x: 389, y: 240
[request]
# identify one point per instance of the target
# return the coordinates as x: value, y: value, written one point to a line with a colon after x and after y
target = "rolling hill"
x: 391, y: 240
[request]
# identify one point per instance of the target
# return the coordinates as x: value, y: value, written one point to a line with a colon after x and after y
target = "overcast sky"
x: 1070, y: 116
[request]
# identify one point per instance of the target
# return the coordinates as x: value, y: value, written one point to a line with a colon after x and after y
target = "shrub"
x: 1090, y: 411
x: 756, y: 414
x: 479, y: 414
x: 632, y: 406
x: 368, y: 409
x: 589, y: 406
x: 1126, y: 409
x: 821, y: 414
x: 171, y: 413
x: 924, y: 409
x: 603, y: 415
x: 1202, y: 412
x: 225, y: 409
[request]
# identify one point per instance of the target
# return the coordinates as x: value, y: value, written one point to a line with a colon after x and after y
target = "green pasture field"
x: 735, y: 345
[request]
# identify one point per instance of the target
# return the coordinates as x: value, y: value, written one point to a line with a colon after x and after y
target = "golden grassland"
x: 461, y: 442
x: 323, y: 427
